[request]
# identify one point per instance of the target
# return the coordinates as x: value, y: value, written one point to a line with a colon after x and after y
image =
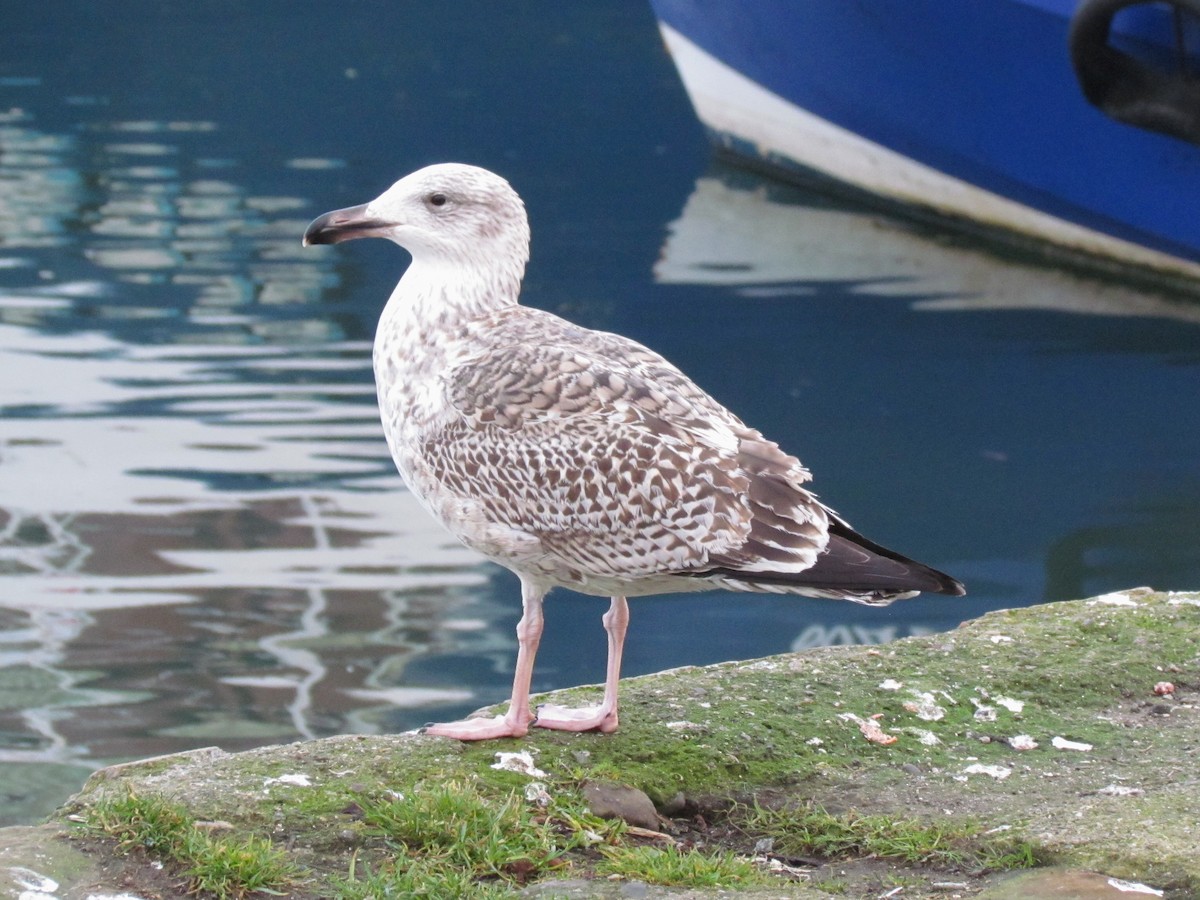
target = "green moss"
x: 1067, y: 670
x: 788, y: 725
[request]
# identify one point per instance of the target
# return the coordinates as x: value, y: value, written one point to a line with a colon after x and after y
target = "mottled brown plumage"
x: 576, y: 457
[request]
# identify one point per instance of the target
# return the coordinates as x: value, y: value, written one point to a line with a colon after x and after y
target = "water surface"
x: 202, y: 539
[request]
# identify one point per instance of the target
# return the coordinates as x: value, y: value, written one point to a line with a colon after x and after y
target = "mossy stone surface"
x: 949, y: 711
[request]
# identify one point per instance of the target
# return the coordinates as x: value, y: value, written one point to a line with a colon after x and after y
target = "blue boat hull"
x: 969, y: 109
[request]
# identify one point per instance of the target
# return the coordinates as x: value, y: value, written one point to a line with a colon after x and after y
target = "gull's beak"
x: 343, y: 225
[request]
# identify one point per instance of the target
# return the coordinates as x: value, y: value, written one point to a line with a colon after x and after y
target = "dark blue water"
x: 202, y: 539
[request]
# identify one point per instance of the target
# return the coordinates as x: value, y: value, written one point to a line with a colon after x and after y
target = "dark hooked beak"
x: 343, y: 225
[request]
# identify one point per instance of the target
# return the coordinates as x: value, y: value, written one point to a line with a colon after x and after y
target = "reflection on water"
x: 202, y: 537
x: 767, y: 239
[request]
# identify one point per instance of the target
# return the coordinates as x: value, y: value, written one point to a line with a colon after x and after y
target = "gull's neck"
x: 447, y: 291
x: 442, y: 289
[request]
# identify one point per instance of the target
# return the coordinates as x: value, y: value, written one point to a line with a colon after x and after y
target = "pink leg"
x: 514, y: 723
x: 604, y: 716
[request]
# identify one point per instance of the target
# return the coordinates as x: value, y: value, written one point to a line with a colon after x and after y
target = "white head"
x: 448, y: 213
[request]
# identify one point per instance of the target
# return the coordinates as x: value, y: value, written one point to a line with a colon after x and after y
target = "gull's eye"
x: 436, y: 199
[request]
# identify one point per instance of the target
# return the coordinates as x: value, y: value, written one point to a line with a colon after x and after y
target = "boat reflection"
x: 771, y: 239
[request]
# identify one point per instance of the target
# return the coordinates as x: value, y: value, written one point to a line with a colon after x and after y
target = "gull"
x: 573, y: 457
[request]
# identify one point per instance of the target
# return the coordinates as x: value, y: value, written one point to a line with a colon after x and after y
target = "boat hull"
x: 971, y: 111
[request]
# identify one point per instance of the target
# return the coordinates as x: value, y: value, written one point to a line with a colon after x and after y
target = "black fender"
x: 1129, y: 89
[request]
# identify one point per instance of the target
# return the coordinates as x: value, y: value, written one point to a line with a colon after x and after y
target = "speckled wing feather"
x: 617, y: 462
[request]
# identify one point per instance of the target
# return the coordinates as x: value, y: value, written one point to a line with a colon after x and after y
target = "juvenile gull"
x: 576, y: 457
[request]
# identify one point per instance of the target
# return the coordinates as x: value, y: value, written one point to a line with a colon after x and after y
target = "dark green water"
x: 202, y: 539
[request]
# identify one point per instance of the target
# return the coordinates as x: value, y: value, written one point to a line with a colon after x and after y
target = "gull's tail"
x: 850, y: 568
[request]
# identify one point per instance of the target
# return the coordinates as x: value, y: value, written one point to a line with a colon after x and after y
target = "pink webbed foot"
x: 595, y: 718
x: 481, y: 728
x: 601, y: 718
x: 517, y: 721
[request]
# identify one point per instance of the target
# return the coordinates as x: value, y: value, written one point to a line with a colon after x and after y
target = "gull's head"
x: 448, y: 212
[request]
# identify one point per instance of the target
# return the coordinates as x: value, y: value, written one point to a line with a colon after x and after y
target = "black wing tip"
x: 952, y: 588
x: 850, y: 565
x: 918, y: 576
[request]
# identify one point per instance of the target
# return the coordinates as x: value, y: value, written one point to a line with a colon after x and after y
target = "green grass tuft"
x: 457, y: 827
x: 808, y: 830
x: 417, y: 878
x: 229, y: 868
x: 672, y: 866
x: 235, y: 868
